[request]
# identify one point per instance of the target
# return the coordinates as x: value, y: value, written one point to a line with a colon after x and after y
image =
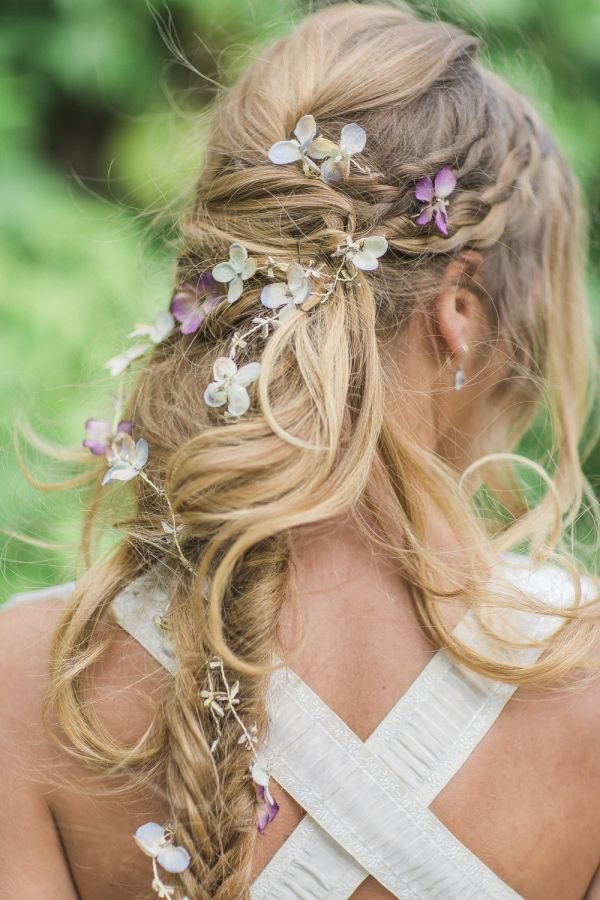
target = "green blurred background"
x: 101, y: 136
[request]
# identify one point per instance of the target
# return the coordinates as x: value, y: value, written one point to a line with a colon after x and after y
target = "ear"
x: 457, y: 308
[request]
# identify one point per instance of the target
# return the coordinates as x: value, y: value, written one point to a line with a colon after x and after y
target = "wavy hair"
x: 319, y: 442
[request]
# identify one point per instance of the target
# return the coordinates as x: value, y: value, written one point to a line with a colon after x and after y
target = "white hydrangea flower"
x: 129, y: 461
x: 155, y: 841
x: 230, y: 385
x: 363, y: 253
x: 117, y: 364
x: 158, y: 331
x: 337, y: 156
x: 235, y: 272
x: 297, y: 149
x: 287, y: 296
x: 153, y: 334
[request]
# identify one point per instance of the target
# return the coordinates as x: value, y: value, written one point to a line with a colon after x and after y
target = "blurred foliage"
x: 101, y: 133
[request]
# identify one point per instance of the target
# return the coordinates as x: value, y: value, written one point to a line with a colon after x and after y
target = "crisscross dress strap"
x: 367, y: 802
x: 360, y: 802
x: 424, y: 740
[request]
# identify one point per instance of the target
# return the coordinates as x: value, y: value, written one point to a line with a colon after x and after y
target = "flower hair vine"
x: 222, y: 701
x: 336, y: 159
x: 292, y: 287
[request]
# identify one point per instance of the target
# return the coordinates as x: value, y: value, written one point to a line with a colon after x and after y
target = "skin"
x: 526, y: 799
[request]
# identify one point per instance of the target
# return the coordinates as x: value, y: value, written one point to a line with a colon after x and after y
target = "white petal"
x: 353, y: 139
x: 258, y: 771
x: 140, y: 331
x: 274, y: 295
x: 120, y: 472
x: 295, y: 276
x: 235, y: 290
x: 286, y: 312
x: 238, y: 256
x: 248, y: 269
x: 141, y: 453
x: 148, y: 837
x: 284, y: 152
x: 377, y: 245
x: 223, y: 272
x: 303, y: 291
x: 119, y: 363
x: 163, y: 326
x: 223, y: 368
x: 173, y: 859
x: 330, y: 171
x: 321, y: 148
x: 247, y: 374
x: 364, y: 260
x: 239, y: 400
x: 305, y: 130
x: 215, y: 394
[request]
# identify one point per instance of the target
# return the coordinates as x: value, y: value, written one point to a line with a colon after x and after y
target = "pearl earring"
x: 459, y: 375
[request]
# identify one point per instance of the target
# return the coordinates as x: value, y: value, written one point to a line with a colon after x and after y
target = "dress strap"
x: 136, y: 609
x: 359, y: 802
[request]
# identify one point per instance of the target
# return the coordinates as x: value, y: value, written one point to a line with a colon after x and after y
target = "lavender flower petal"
x: 441, y: 221
x: 267, y: 808
x: 425, y: 216
x: 183, y: 302
x: 98, y: 436
x: 445, y: 182
x: 192, y: 322
x: 424, y: 189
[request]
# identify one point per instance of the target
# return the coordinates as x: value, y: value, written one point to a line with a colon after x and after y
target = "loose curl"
x: 320, y: 443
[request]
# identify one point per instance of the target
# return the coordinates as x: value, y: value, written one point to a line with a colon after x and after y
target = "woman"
x: 379, y: 288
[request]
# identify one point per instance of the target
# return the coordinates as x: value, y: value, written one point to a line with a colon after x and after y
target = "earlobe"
x: 457, y: 309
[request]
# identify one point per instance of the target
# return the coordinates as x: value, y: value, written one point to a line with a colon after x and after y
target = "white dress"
x: 367, y: 803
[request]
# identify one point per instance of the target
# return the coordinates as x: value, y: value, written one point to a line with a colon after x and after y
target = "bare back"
x: 525, y: 802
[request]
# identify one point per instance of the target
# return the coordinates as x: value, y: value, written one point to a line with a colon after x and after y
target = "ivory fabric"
x: 367, y: 803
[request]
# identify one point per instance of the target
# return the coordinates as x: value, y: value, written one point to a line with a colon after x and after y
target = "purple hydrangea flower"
x: 100, y: 435
x: 267, y: 807
x: 192, y: 303
x: 435, y: 194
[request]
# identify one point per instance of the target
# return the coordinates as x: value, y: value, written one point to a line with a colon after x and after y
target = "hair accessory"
x: 435, y: 194
x: 239, y: 269
x: 301, y: 288
x: 103, y: 438
x: 153, y: 334
x: 230, y: 385
x: 223, y: 701
x: 191, y: 304
x: 306, y: 147
x: 363, y: 254
x: 287, y: 296
x: 157, y: 842
x: 459, y: 379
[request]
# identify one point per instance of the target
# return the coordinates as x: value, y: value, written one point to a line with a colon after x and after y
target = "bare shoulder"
x: 126, y: 681
x: 26, y: 630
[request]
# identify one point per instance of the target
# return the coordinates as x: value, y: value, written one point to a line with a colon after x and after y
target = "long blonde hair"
x: 319, y: 443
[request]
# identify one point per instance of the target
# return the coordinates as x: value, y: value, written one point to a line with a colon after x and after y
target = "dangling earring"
x: 459, y: 375
x: 459, y: 379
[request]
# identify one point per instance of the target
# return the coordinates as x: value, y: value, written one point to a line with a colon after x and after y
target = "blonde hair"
x: 320, y: 443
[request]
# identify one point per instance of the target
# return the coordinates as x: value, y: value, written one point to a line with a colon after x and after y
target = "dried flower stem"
x: 162, y: 493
